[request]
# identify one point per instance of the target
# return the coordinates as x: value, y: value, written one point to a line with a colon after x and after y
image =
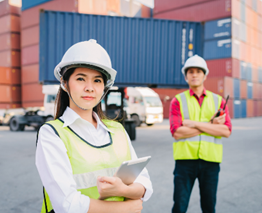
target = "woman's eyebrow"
x: 82, y: 74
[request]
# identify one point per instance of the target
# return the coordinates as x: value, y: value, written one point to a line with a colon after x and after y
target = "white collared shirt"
x: 55, y: 170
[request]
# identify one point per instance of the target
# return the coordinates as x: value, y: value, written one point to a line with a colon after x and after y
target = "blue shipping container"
x: 26, y: 4
x: 143, y: 51
x: 243, y: 67
x: 216, y: 49
x: 236, y: 86
x: 243, y: 108
x: 249, y: 72
x: 218, y: 29
x: 237, y: 108
x: 250, y: 90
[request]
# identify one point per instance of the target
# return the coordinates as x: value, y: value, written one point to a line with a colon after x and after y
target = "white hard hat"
x: 87, y: 53
x: 195, y: 61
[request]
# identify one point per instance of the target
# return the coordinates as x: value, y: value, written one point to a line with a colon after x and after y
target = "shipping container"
x: 32, y: 93
x: 260, y: 74
x: 32, y: 3
x: 250, y: 108
x: 235, y: 5
x: 224, y: 67
x: 243, y: 89
x: 146, y: 12
x: 7, y: 8
x: 30, y: 74
x: 30, y: 36
x: 10, y: 105
x: 126, y: 11
x: 112, y: 6
x: 255, y: 91
x: 9, y: 23
x: 242, y: 31
x: 250, y: 90
x: 249, y: 72
x: 32, y: 104
x: 30, y: 55
x: 220, y: 85
x: 230, y: 107
x: 143, y: 51
x: 98, y: 7
x: 10, y: 93
x: 243, y: 12
x: 10, y: 41
x: 10, y: 76
x: 205, y: 11
x: 10, y: 58
x: 259, y: 91
x: 242, y: 48
x: 260, y: 108
x: 243, y: 109
x: 256, y: 108
x: 237, y: 108
x: 255, y: 74
x: 218, y: 29
x: 236, y: 86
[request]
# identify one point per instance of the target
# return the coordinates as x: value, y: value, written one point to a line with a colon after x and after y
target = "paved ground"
x: 240, y: 185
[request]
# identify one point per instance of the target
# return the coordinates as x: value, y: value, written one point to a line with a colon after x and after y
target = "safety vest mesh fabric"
x: 203, y: 146
x: 88, y: 162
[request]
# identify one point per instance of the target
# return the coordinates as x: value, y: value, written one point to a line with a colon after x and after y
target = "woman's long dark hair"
x: 62, y: 98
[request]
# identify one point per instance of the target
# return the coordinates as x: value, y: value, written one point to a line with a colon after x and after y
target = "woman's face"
x: 86, y: 87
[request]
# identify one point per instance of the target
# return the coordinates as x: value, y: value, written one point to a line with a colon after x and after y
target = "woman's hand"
x: 110, y: 186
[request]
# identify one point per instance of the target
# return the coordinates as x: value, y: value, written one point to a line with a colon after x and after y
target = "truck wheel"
x: 136, y: 119
x: 149, y: 124
x: 15, y: 125
x: 131, y: 130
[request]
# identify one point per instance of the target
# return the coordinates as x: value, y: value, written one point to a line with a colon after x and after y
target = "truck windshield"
x: 153, y: 101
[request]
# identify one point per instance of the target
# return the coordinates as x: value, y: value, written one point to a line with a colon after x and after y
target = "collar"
x: 70, y: 116
x: 191, y: 92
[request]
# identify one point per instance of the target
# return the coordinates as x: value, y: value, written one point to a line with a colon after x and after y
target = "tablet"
x: 129, y: 170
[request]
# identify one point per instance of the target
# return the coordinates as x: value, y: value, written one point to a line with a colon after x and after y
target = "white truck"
x: 143, y: 105
x: 17, y: 119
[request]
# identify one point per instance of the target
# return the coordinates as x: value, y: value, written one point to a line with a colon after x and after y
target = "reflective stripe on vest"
x: 203, y: 146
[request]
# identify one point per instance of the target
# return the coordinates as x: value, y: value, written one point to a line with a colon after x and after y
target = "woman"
x: 78, y: 153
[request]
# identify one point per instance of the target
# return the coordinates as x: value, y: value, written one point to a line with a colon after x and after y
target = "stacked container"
x: 10, y: 74
x: 32, y: 95
x: 232, y: 47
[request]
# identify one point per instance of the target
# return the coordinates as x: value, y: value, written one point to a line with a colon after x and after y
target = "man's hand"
x: 189, y: 123
x: 110, y: 186
x: 220, y: 120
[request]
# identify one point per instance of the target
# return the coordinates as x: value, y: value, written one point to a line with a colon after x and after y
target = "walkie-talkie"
x: 222, y: 111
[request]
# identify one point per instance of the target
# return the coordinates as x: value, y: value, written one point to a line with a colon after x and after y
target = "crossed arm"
x: 193, y: 128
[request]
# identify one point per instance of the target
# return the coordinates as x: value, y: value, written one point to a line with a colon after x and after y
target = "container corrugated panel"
x: 243, y: 68
x: 205, y: 11
x: 235, y: 6
x: 220, y: 85
x: 30, y: 55
x: 216, y: 49
x: 230, y: 107
x: 243, y: 89
x: 243, y: 11
x: 10, y: 41
x: 256, y: 109
x: 30, y: 36
x: 10, y: 76
x: 259, y: 91
x: 10, y: 105
x: 236, y: 83
x: 10, y: 93
x: 255, y: 91
x: 242, y: 32
x: 32, y: 3
x: 143, y: 51
x: 250, y: 108
x: 243, y: 109
x: 237, y: 108
x: 250, y: 90
x: 30, y: 74
x: 260, y: 74
x: 254, y: 5
x: 10, y: 58
x: 218, y: 29
x: 249, y: 72
x: 7, y: 8
x: 32, y: 93
x: 9, y: 23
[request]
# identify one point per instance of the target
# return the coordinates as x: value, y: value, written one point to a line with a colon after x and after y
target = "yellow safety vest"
x: 203, y: 146
x: 88, y: 161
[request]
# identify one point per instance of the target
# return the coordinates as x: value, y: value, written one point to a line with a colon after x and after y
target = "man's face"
x: 195, y: 77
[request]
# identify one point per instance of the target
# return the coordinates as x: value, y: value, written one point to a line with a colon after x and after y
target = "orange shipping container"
x: 30, y: 36
x: 220, y: 85
x: 10, y: 105
x: 32, y: 104
x: 7, y: 8
x: 243, y: 89
x: 32, y: 93
x: 250, y: 108
x: 10, y: 41
x: 236, y: 9
x: 30, y: 55
x: 9, y: 23
x: 112, y: 6
x: 30, y: 74
x: 145, y: 12
x: 10, y: 76
x: 10, y: 93
x: 10, y: 58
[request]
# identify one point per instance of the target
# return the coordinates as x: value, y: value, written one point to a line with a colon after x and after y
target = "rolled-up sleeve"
x: 55, y: 171
x: 175, y: 118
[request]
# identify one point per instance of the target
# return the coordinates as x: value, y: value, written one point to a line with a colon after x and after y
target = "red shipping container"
x: 9, y: 23
x: 243, y: 89
x: 145, y: 11
x: 10, y: 93
x: 260, y: 91
x: 10, y: 58
x: 10, y: 76
x: 250, y: 108
x: 32, y: 93
x: 10, y: 105
x: 10, y: 41
x: 224, y: 67
x: 256, y: 110
x: 30, y: 36
x: 230, y: 107
x: 32, y: 104
x: 259, y: 108
x: 206, y: 11
x: 164, y: 5
x: 7, y: 8
x: 255, y: 91
x: 30, y: 74
x: 30, y: 17
x: 30, y: 55
x: 220, y: 85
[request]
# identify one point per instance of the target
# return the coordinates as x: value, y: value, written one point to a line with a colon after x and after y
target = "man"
x: 197, y: 148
